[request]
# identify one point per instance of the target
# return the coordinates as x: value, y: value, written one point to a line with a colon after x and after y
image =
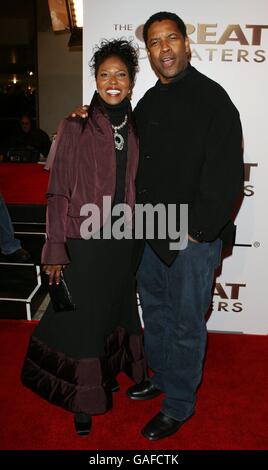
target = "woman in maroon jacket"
x: 74, y: 356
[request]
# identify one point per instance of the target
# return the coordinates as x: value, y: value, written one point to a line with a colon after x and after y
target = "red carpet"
x: 23, y: 183
x: 232, y: 410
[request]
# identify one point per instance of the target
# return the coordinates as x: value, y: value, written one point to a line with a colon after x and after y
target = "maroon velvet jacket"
x: 83, y: 171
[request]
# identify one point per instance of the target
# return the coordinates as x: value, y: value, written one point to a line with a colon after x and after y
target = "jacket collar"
x: 97, y: 105
x: 176, y: 79
x: 96, y: 108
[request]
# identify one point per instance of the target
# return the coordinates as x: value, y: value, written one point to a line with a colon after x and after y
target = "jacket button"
x: 147, y: 157
x: 142, y: 191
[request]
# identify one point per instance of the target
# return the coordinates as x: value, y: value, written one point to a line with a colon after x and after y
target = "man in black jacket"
x: 190, y: 153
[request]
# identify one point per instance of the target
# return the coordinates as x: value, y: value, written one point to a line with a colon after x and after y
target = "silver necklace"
x: 118, y: 138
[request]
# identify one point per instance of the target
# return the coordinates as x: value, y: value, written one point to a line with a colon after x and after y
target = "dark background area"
x: 20, y: 22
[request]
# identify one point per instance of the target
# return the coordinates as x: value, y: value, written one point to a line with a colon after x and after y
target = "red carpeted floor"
x: 23, y: 183
x: 232, y: 409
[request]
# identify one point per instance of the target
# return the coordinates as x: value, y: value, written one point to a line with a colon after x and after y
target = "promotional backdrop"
x: 229, y: 42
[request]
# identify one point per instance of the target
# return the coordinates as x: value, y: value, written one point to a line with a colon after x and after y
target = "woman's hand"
x: 53, y: 271
x: 80, y: 111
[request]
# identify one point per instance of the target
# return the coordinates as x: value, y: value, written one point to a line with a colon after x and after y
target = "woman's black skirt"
x: 73, y: 356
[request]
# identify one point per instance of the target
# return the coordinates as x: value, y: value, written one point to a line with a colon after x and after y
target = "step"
x: 22, y: 289
x: 32, y: 242
x: 29, y: 227
x: 27, y: 212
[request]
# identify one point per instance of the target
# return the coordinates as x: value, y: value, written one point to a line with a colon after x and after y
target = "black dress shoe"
x: 145, y: 390
x: 82, y: 423
x: 161, y: 426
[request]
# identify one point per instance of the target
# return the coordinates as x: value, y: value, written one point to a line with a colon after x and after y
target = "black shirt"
x: 116, y: 114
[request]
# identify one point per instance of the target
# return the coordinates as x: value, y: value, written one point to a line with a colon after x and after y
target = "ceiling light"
x: 76, y: 13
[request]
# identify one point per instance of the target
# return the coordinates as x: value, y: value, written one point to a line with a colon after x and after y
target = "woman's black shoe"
x: 114, y: 385
x: 82, y: 423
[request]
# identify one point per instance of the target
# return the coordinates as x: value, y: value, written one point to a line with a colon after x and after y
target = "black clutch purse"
x: 60, y: 296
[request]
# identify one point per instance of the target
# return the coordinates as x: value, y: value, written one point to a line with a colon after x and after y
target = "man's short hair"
x: 160, y: 16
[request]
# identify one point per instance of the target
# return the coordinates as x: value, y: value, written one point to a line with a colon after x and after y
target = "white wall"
x: 239, y: 61
x: 60, y: 79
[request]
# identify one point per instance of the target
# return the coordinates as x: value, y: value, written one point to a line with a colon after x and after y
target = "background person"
x: 9, y: 245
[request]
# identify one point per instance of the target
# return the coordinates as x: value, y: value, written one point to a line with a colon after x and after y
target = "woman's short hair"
x: 121, y: 48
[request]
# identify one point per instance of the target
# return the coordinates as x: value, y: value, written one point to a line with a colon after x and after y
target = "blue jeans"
x: 175, y: 300
x: 8, y: 243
